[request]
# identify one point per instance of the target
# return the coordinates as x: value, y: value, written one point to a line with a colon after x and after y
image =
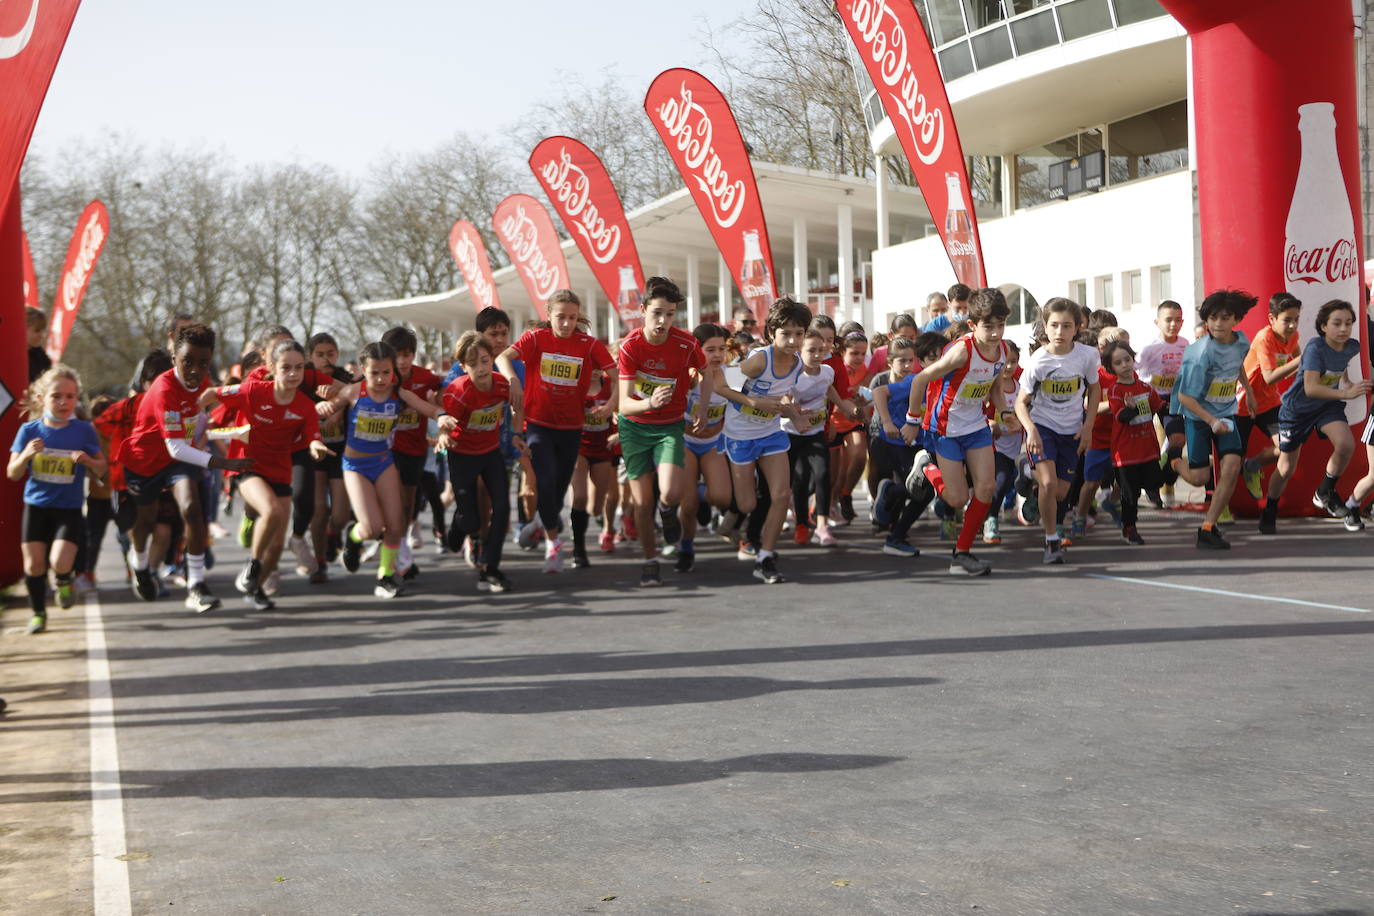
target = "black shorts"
x: 48, y: 523
x: 144, y: 490
x: 1173, y: 424
x: 279, y: 490
x: 332, y: 465
x: 410, y: 467
x: 1267, y: 421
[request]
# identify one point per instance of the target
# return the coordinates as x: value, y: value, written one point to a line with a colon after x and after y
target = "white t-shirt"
x: 1159, y: 364
x: 1058, y: 384
x: 810, y: 396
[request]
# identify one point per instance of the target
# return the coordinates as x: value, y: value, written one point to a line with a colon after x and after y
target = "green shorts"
x: 647, y: 445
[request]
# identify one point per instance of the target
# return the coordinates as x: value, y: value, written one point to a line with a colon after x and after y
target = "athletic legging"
x: 464, y: 472
x: 99, y: 514
x: 429, y: 493
x: 553, y: 455
x: 302, y: 492
x: 1006, y: 477
x: 1134, y: 478
x: 810, y: 473
x: 904, y: 507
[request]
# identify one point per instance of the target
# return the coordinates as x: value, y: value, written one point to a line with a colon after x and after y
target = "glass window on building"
x: 1016, y: 7
x: 1148, y: 144
x: 946, y: 20
x: 1078, y: 291
x: 1033, y: 165
x: 1024, y: 308
x: 1034, y: 33
x: 985, y: 180
x: 1106, y: 294
x: 1131, y: 287
x: 1163, y: 283
x: 982, y: 13
x: 1081, y: 18
x: 1129, y: 11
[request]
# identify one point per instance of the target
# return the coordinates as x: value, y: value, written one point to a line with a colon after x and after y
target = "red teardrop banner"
x: 699, y: 130
x: 584, y: 197
x: 465, y: 243
x: 526, y: 232
x: 92, y: 229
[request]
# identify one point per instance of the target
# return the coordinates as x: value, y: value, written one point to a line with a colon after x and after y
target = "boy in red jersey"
x: 159, y: 455
x: 1132, y: 405
x: 410, y: 443
x: 1269, y: 369
x: 655, y: 365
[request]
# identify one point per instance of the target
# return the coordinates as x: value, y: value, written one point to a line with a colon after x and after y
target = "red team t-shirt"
x: 115, y: 424
x: 479, y: 413
x: 168, y: 411
x: 558, y: 372
x: 277, y: 429
x: 1133, y: 442
x: 411, y: 428
x: 597, y: 431
x: 652, y: 366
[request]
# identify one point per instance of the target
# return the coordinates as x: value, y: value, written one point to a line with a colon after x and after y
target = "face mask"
x: 52, y: 418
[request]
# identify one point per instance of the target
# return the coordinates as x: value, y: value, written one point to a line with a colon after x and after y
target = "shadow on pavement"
x: 459, y: 780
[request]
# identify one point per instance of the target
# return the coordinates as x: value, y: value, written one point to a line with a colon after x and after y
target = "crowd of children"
x: 683, y: 433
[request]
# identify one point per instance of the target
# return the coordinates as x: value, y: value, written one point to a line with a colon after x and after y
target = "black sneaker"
x: 260, y: 600
x: 145, y: 584
x: 1211, y: 540
x: 580, y: 559
x: 686, y: 560
x: 352, y: 550
x: 1130, y: 535
x: 1352, y: 520
x: 387, y: 587
x: 671, y: 525
x: 649, y: 576
x: 1155, y: 499
x: 1268, y: 525
x: 493, y: 580
x: 1327, y: 500
x: 411, y: 572
x: 767, y: 570
x: 454, y: 539
x: 199, y: 599
x: 847, y: 507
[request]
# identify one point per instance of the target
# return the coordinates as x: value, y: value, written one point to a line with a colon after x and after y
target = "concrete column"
x: 723, y: 284
x: 589, y: 306
x: 844, y: 218
x: 693, y: 290
x: 880, y: 166
x: 800, y: 281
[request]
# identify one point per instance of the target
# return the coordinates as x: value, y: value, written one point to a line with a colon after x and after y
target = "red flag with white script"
x: 699, y: 130
x: 92, y: 229
x: 30, y: 278
x: 32, y: 33
x: 526, y: 232
x: 581, y: 192
x: 901, y: 63
x: 465, y: 243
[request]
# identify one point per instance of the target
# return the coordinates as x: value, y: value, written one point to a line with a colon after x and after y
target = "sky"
x: 346, y: 82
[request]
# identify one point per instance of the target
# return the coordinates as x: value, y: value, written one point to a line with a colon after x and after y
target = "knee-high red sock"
x: 937, y: 480
x: 973, y: 521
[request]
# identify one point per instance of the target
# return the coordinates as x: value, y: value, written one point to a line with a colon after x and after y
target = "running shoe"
x: 199, y: 599
x: 802, y: 535
x: 352, y: 550
x: 963, y: 563
x: 320, y: 576
x: 145, y: 584
x: 1166, y: 496
x: 1130, y: 535
x: 767, y: 570
x: 899, y: 548
x: 1112, y: 507
x: 825, y: 537
x: 415, y: 537
x: 245, y: 532
x: 553, y: 556
x: 1268, y: 525
x: 387, y: 587
x: 531, y: 533
x: 1352, y: 520
x: 1065, y: 531
x: 1079, y: 529
x: 38, y: 623
x: 686, y: 560
x: 1253, y: 484
x: 607, y: 541
x: 916, y: 479
x: 627, y: 524
x: 305, y: 557
x: 1226, y: 518
x: 880, y: 512
x: 1211, y: 540
x: 729, y: 525
x: 649, y: 576
x: 847, y: 508
x: 260, y: 600
x: 1028, y: 509
x: 412, y: 571
x: 992, y: 529
x: 1329, y: 502
x: 66, y: 594
x: 493, y: 580
x: 746, y: 552
x: 1054, y: 553
x: 580, y: 559
x: 670, y: 524
x: 272, y: 583
x: 84, y: 583
x: 949, y: 530
x: 246, y: 581
x: 703, y: 511
x: 216, y: 530
x: 370, y: 549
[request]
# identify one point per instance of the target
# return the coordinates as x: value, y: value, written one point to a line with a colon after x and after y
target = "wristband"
x: 913, y: 421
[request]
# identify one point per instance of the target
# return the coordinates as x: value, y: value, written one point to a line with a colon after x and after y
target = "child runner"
x: 560, y: 358
x: 1160, y: 361
x: 754, y: 438
x: 816, y: 390
x: 595, y: 490
x: 159, y: 455
x: 374, y: 486
x: 54, y: 450
x: 849, y: 438
x: 331, y: 499
x: 1097, y: 463
x: 656, y: 364
x: 279, y: 415
x: 477, y: 401
x: 1270, y: 364
x: 1205, y: 394
x: 410, y: 442
x: 1008, y: 439
x: 1059, y: 382
x: 705, y: 453
x: 1132, y: 405
x: 900, y: 497
x: 1317, y: 404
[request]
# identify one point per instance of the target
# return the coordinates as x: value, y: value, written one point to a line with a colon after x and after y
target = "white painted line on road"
x: 110, y: 873
x: 1219, y: 591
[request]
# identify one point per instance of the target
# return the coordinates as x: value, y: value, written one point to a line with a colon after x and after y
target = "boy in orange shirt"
x: 1269, y: 367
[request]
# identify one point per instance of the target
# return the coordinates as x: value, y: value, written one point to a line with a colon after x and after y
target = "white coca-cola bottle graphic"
x: 627, y: 303
x: 963, y: 254
x: 755, y: 286
x: 1320, y: 260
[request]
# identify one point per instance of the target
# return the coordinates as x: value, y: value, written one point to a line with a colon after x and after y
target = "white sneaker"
x: 529, y: 534
x: 272, y: 582
x: 824, y: 536
x: 370, y: 550
x: 553, y: 556
x: 305, y: 558
x: 416, y: 538
x: 404, y: 558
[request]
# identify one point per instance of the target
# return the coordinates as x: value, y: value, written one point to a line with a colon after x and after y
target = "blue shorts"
x: 747, y: 451
x: 1294, y: 431
x: 1201, y: 440
x: 370, y: 467
x: 145, y: 490
x: 701, y: 448
x: 953, y: 448
x: 1058, y: 448
x: 1096, y: 465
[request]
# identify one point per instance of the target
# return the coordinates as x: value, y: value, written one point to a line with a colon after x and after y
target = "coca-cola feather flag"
x: 701, y: 135
x: 901, y: 63
x: 581, y: 192
x: 92, y: 229
x: 526, y: 232
x: 465, y: 244
x: 30, y: 277
x: 32, y: 33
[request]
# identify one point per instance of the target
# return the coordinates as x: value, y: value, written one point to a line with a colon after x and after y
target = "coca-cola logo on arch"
x: 570, y: 188
x: 521, y: 238
x: 1322, y: 264
x: 688, y: 126
x: 92, y: 240
x: 12, y: 44
x: 466, y: 253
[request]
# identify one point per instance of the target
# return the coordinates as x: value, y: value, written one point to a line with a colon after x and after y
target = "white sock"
x: 195, y: 569
x: 1352, y: 503
x: 404, y: 559
x: 764, y: 554
x: 138, y: 558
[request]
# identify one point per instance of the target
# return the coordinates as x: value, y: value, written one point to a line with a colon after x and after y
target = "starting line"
x: 1219, y: 591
